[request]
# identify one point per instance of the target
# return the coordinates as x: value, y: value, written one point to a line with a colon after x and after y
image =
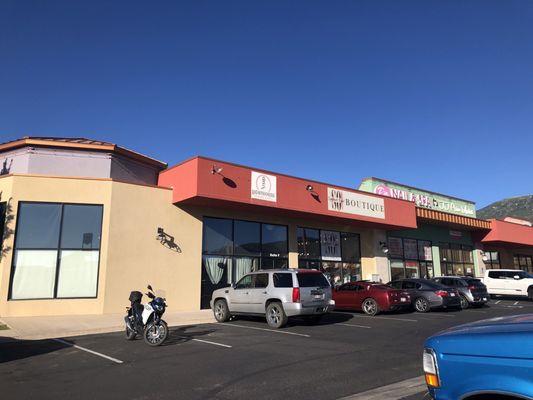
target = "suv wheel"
x: 464, y: 302
x: 275, y: 315
x: 370, y: 307
x: 221, y: 311
x: 421, y: 305
x: 530, y: 293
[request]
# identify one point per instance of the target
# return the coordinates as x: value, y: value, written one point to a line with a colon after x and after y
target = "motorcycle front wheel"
x: 156, y: 333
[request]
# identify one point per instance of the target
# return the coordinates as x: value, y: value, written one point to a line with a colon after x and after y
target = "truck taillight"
x: 441, y: 293
x: 296, y: 295
x: 471, y: 287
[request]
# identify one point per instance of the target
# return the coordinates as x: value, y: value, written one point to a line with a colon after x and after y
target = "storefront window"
x: 57, y: 250
x: 524, y: 262
x: 336, y: 254
x: 491, y: 259
x: 410, y: 258
x: 233, y: 248
x: 247, y: 238
x: 274, y: 241
x: 397, y: 269
x: 456, y: 259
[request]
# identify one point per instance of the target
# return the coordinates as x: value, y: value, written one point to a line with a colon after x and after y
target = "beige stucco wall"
x: 31, y: 188
x: 131, y: 256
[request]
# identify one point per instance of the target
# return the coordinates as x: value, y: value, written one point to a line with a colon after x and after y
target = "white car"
x: 509, y: 282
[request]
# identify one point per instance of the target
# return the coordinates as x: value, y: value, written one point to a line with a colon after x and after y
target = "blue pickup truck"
x: 489, y: 359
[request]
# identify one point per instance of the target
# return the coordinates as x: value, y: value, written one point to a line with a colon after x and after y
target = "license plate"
x: 484, y: 299
x: 452, y: 294
x: 403, y: 299
x: 319, y: 296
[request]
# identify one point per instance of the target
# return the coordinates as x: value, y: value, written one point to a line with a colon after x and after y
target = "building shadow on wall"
x: 6, y: 219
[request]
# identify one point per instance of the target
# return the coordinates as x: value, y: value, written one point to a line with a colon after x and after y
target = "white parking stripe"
x: 356, y: 326
x: 88, y: 351
x: 437, y: 315
x: 216, y: 344
x: 389, y: 318
x: 498, y: 302
x: 515, y: 303
x: 267, y: 330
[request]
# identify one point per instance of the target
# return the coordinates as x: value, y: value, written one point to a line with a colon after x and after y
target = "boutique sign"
x: 420, y: 198
x: 355, y: 203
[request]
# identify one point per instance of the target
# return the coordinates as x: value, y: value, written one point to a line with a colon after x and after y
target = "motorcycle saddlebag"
x: 135, y: 296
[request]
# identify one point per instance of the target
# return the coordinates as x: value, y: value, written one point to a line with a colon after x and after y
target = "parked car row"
x: 283, y: 293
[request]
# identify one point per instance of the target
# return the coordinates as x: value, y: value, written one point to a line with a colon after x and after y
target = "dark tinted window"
x: 495, y: 274
x: 350, y: 247
x: 308, y: 243
x: 274, y: 240
x: 260, y: 281
x: 312, y: 280
x: 431, y: 285
x: 282, y: 280
x: 218, y: 236
x: 395, y: 284
x: 81, y: 227
x: 347, y: 287
x: 474, y: 282
x: 244, y: 283
x: 38, y: 226
x: 247, y: 238
x: 408, y: 285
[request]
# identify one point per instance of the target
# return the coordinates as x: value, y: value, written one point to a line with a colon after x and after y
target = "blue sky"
x: 436, y: 94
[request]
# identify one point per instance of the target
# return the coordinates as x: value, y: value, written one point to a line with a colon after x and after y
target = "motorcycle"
x: 145, y: 320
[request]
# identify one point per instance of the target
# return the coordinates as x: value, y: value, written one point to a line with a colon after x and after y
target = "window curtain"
x: 34, y: 276
x: 78, y: 273
x: 243, y: 266
x: 215, y: 266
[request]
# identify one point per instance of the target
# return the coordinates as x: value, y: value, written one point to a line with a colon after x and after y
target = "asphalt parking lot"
x: 346, y: 354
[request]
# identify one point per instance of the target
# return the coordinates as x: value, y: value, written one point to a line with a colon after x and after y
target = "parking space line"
x: 356, y: 326
x: 88, y: 351
x: 389, y: 318
x: 498, y: 302
x: 214, y: 343
x: 267, y: 330
x: 437, y: 315
x: 515, y: 303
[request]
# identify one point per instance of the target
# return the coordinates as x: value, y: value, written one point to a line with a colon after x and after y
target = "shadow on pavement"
x: 328, y: 319
x: 183, y: 334
x: 14, y: 349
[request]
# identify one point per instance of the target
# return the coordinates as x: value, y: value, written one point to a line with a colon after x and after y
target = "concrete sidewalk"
x: 75, y: 325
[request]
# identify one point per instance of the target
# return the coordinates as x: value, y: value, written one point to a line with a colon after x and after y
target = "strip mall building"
x: 85, y: 222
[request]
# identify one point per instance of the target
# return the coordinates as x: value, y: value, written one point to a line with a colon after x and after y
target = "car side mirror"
x: 516, y: 277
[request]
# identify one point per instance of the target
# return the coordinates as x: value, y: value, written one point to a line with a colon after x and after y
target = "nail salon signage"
x: 346, y: 202
x: 263, y: 187
x: 423, y: 199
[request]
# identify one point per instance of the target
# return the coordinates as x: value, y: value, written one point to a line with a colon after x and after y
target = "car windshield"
x: 307, y: 279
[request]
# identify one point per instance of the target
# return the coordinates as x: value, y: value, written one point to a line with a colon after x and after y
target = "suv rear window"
x: 307, y: 279
x: 283, y: 280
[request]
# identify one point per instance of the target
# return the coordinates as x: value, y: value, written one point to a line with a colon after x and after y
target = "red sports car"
x: 369, y: 297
